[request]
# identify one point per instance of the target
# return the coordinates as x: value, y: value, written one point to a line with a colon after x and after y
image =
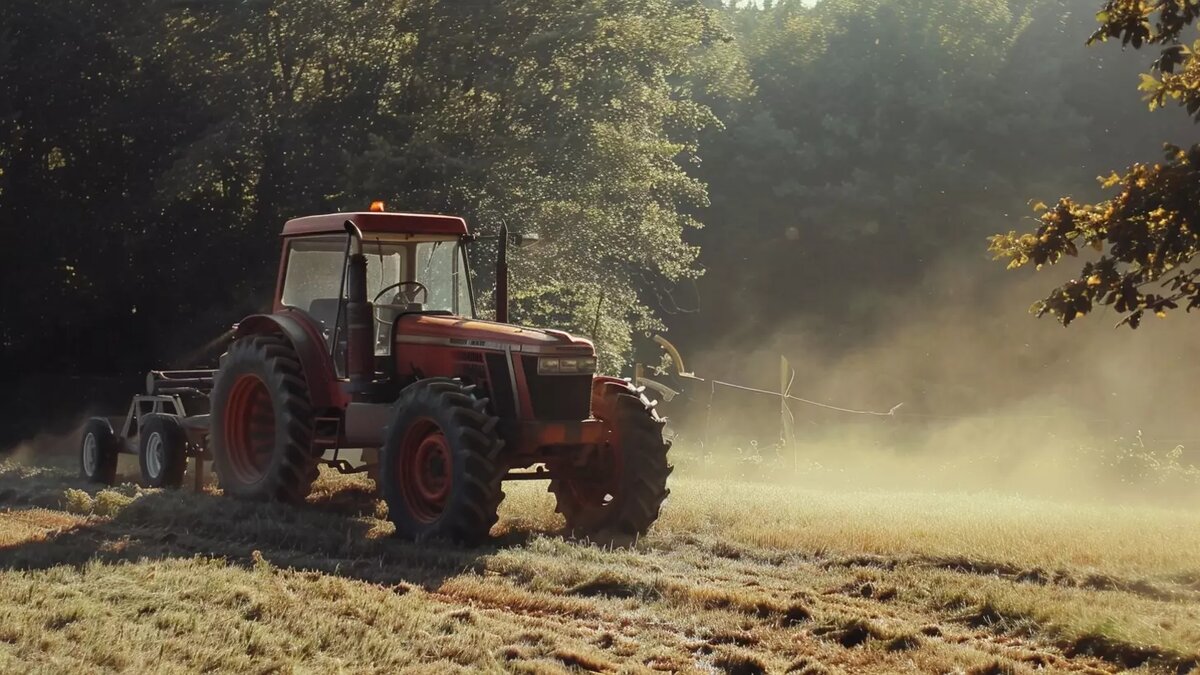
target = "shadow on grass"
x: 336, y: 532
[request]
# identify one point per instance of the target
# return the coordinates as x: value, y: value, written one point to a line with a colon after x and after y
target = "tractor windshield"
x: 405, y: 275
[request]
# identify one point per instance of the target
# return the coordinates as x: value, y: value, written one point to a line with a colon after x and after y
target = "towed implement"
x: 373, y: 360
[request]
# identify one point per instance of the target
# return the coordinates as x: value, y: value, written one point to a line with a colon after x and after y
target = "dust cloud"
x: 993, y: 399
x: 47, y: 447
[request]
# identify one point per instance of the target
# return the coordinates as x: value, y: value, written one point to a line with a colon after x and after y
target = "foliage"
x: 573, y: 123
x: 1151, y: 226
x: 834, y: 151
x: 205, y: 124
x: 1150, y: 229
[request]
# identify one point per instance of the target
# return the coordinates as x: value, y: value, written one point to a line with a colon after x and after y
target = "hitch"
x: 344, y: 467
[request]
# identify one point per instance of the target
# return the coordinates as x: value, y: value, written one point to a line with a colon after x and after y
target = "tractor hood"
x: 462, y: 332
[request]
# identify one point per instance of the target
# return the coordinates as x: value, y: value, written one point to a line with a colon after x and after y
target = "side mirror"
x: 520, y: 240
x: 526, y: 240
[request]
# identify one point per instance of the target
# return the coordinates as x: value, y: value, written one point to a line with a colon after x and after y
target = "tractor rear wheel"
x: 162, y: 451
x: 262, y: 422
x: 98, y: 450
x: 616, y: 495
x: 440, y: 467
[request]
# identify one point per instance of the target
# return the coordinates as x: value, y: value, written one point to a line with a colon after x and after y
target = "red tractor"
x: 373, y: 346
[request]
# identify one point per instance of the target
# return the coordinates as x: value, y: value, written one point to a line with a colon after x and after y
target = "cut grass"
x: 734, y: 578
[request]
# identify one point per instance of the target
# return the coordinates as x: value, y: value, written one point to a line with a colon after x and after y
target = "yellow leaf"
x: 1160, y: 314
x: 1094, y: 280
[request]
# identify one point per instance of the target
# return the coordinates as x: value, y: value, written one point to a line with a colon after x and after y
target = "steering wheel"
x: 408, y: 297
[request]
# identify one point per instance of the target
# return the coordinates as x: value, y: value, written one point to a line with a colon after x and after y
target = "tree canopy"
x: 149, y: 153
x: 1148, y: 232
x: 155, y: 151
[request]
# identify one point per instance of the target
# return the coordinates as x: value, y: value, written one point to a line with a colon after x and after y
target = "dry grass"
x: 1011, y: 530
x: 736, y: 578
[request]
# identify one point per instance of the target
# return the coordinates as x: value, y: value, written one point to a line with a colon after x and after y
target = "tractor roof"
x: 374, y: 222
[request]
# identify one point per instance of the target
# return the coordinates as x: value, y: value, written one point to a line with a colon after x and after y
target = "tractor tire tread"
x: 108, y: 447
x: 473, y: 506
x: 645, y: 474
x: 175, y: 442
x: 290, y: 476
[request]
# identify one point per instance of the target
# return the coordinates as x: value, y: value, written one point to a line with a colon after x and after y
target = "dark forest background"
x: 712, y: 171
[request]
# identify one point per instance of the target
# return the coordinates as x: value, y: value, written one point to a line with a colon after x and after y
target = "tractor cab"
x: 415, y: 264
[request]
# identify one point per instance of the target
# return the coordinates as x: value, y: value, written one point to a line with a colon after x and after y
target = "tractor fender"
x: 598, y: 379
x: 599, y: 382
x: 302, y: 332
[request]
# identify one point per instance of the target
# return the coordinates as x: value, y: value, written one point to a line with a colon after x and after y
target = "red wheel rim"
x: 249, y: 428
x: 425, y: 470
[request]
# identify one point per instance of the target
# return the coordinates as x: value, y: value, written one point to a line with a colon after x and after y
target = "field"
x: 736, y: 577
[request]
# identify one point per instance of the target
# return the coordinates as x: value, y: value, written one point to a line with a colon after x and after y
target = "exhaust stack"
x: 360, y: 348
x: 502, y: 276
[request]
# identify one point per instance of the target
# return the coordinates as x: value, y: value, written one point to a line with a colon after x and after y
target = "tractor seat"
x: 325, y: 311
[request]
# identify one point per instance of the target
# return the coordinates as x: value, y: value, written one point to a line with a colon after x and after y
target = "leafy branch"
x: 1151, y: 226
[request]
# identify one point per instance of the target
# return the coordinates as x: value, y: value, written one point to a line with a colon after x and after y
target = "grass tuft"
x: 996, y: 667
x: 610, y: 584
x: 807, y: 666
x: 78, y: 502
x: 735, y: 661
x: 795, y: 614
x: 903, y: 643
x: 575, y: 658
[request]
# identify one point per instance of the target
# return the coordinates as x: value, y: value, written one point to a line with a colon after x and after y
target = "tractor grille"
x: 557, y: 397
x: 500, y: 387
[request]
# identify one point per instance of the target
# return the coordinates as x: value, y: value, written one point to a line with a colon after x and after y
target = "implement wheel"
x: 98, y: 450
x: 439, y: 470
x: 162, y: 451
x: 616, y: 495
x: 262, y: 422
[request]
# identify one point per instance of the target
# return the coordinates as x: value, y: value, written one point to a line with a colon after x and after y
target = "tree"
x: 159, y: 147
x: 1148, y: 232
x: 570, y: 119
x: 81, y: 143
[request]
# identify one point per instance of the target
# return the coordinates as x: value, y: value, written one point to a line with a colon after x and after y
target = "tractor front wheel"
x: 262, y: 422
x: 616, y: 494
x: 440, y: 466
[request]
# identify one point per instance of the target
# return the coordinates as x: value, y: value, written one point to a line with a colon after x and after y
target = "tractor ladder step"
x: 327, y: 432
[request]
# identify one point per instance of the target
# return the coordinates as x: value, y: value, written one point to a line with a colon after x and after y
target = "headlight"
x: 575, y: 365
